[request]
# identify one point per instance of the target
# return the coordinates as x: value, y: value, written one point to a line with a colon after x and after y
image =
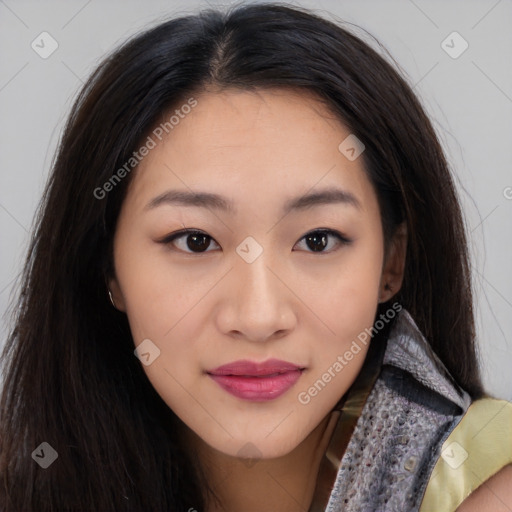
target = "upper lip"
x: 253, y: 368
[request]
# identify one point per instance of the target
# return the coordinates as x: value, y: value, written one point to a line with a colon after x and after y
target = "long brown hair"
x: 70, y: 375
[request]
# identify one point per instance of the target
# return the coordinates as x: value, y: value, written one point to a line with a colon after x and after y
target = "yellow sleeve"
x: 477, y: 448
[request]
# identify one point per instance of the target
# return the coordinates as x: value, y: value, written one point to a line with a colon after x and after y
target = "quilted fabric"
x: 411, y: 410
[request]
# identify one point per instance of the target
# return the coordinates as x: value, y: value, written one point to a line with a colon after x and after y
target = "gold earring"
x: 111, y: 298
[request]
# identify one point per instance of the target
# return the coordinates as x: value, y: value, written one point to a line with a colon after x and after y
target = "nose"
x: 258, y: 304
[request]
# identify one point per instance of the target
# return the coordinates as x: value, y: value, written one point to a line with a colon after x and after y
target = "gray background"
x: 469, y: 99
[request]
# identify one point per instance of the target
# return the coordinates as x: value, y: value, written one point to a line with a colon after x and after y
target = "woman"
x: 248, y: 289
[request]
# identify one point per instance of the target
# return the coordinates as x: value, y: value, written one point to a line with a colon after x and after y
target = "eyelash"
x: 330, y: 232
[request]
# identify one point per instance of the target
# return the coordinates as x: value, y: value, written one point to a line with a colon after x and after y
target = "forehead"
x: 268, y: 119
x: 262, y: 143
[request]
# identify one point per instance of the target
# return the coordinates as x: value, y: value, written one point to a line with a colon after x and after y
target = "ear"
x: 394, y: 264
x: 117, y: 295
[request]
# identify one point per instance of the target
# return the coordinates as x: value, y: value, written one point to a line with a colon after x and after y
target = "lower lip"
x: 257, y: 389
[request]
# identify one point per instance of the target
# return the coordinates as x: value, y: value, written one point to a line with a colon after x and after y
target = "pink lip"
x: 257, y: 382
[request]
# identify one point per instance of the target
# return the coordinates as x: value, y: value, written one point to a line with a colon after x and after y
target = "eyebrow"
x: 218, y: 202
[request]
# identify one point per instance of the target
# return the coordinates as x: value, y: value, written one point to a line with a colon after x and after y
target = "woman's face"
x: 261, y: 281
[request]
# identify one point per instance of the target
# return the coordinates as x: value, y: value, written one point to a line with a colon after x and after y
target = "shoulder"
x: 474, y: 470
x: 493, y: 495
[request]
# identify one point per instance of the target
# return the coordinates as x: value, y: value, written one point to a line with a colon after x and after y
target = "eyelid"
x: 177, y: 234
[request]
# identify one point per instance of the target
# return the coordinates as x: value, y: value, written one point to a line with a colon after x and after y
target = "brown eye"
x: 197, y: 242
x: 318, y: 240
x: 190, y: 241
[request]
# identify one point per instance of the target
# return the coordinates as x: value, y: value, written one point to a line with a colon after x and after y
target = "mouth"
x: 254, y: 381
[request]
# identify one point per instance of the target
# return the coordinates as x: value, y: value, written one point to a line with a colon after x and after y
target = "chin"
x: 253, y: 448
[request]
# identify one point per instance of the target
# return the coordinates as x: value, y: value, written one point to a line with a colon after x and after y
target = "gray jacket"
x: 412, y: 408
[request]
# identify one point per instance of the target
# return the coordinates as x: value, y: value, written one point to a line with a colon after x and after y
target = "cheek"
x: 351, y: 292
x: 156, y: 293
x: 347, y: 306
x: 164, y: 305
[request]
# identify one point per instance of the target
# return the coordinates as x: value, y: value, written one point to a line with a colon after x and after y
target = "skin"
x: 205, y: 309
x: 493, y: 495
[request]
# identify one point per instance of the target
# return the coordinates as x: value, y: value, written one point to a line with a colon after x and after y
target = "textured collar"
x: 403, y: 378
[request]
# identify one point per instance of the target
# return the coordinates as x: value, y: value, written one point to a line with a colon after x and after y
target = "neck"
x: 285, y: 483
